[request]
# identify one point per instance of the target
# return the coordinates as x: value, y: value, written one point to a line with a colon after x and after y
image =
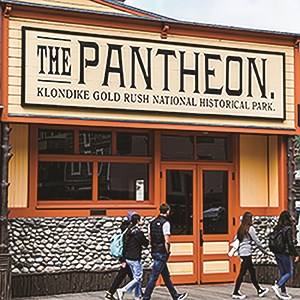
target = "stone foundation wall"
x: 53, y: 245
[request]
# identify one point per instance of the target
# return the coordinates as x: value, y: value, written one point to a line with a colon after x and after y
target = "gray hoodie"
x: 245, y: 248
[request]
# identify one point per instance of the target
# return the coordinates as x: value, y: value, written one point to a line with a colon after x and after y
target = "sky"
x: 275, y: 15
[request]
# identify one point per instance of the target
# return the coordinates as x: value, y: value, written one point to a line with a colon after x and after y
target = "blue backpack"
x: 117, y: 244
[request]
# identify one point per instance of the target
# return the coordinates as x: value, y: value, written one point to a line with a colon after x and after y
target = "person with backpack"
x: 134, y: 241
x: 245, y: 235
x: 283, y: 247
x: 159, y: 236
x: 124, y: 270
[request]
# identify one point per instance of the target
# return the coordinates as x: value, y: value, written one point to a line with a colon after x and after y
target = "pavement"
x: 205, y: 292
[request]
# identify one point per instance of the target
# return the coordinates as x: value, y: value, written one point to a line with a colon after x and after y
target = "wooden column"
x: 291, y: 174
x: 5, y: 259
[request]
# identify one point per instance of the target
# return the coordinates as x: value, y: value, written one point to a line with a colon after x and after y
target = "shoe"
x: 182, y: 296
x: 238, y: 295
x: 286, y: 296
x: 120, y: 294
x: 275, y: 288
x: 109, y: 296
x: 262, y: 291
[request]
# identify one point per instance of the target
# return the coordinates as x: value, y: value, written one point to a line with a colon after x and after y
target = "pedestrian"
x: 246, y: 234
x: 159, y: 236
x: 124, y: 270
x: 284, y: 259
x: 134, y: 241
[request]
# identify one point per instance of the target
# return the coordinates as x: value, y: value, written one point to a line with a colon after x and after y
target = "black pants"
x: 247, y: 264
x: 123, y: 272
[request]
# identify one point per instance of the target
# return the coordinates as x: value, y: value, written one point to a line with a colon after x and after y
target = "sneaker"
x: 109, y: 296
x: 120, y: 294
x: 262, y: 291
x: 286, y: 296
x: 238, y: 295
x: 276, y: 290
x: 182, y: 296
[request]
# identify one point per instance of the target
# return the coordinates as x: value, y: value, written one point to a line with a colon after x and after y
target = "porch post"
x: 291, y: 153
x: 5, y: 259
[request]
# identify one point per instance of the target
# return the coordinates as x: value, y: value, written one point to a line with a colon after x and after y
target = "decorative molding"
x: 164, y: 31
x: 7, y: 11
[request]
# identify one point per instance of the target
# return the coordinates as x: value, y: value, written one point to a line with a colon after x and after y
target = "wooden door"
x: 215, y: 223
x: 179, y: 190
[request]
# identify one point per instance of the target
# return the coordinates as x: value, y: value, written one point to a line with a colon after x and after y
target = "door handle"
x: 201, y: 238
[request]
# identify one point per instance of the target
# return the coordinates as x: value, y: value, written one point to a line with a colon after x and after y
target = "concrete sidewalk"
x: 207, y: 292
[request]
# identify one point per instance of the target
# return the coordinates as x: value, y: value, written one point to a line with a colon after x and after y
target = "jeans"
x: 123, y: 272
x: 286, y: 270
x: 136, y: 283
x: 247, y: 264
x: 160, y: 268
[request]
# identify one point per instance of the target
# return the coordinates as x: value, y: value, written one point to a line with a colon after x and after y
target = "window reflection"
x: 123, y: 181
x: 180, y: 198
x: 52, y: 141
x: 215, y: 205
x: 212, y: 148
x: 94, y: 143
x: 65, y: 181
x: 132, y: 144
x: 177, y: 147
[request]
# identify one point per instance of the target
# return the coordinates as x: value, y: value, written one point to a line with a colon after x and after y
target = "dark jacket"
x: 157, y: 237
x: 134, y: 244
x: 289, y: 242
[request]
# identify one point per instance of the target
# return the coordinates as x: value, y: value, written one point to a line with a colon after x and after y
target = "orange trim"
x: 4, y: 71
x: 296, y: 84
x: 145, y: 126
x: 58, y: 15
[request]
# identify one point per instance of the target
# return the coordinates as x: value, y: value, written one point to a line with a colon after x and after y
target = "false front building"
x: 114, y: 109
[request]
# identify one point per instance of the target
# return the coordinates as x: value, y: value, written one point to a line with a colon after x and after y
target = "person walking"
x: 134, y: 240
x: 159, y: 236
x: 284, y: 258
x: 246, y: 234
x: 124, y: 269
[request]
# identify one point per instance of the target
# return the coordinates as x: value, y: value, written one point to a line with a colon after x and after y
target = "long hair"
x: 285, y: 219
x: 134, y: 220
x: 245, y: 225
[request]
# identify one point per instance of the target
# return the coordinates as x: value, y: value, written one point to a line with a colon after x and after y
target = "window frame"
x: 35, y: 158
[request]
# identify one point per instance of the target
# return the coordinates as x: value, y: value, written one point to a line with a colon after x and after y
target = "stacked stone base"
x: 25, y: 285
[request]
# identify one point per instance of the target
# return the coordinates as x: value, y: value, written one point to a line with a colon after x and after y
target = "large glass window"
x: 52, y: 141
x: 215, y: 204
x: 94, y: 143
x: 123, y: 181
x: 132, y: 144
x: 65, y: 181
x: 175, y: 147
x: 212, y: 148
x: 180, y: 198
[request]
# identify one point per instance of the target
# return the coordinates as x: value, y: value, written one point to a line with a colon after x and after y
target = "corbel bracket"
x: 297, y: 44
x: 164, y: 31
x: 7, y: 11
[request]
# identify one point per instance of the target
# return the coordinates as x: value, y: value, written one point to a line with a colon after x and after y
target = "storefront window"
x: 65, y: 181
x: 94, y: 143
x: 132, y: 144
x: 123, y: 181
x: 215, y: 204
x: 180, y: 198
x: 175, y: 147
x: 52, y: 141
x: 212, y: 148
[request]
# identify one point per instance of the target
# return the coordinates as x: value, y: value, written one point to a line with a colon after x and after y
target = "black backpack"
x: 277, y: 241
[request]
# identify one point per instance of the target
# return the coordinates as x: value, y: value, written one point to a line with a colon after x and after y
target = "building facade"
x: 114, y: 109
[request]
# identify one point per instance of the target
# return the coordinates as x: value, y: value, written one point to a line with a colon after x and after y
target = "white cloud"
x: 278, y: 15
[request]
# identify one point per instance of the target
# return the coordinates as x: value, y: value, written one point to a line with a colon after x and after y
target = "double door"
x: 201, y: 198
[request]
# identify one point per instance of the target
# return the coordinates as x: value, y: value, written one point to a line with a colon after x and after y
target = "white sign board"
x: 70, y: 69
